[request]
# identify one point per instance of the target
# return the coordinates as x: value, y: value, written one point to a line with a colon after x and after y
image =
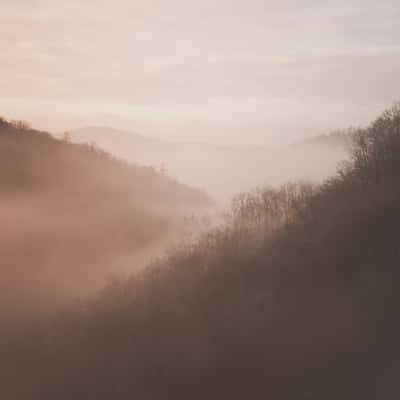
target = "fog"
x: 225, y: 171
x: 199, y: 199
x: 294, y: 293
x: 73, y: 218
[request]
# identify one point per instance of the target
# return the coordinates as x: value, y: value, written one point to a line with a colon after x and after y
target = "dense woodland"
x: 295, y: 296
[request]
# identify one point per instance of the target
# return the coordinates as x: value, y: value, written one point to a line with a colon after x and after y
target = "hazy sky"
x: 215, y: 70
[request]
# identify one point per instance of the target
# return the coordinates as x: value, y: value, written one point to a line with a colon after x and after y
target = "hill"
x: 71, y: 215
x: 296, y: 296
x: 223, y: 171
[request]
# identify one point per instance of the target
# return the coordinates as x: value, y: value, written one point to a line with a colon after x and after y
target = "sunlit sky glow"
x: 215, y: 70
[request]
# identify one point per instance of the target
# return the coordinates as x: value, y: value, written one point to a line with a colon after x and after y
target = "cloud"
x: 186, y: 62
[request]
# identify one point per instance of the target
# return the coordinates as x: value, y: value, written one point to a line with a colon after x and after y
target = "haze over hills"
x: 72, y: 216
x: 294, y: 296
x: 204, y: 233
x: 223, y: 171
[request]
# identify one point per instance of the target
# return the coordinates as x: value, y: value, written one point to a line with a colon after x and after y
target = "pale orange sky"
x: 237, y: 71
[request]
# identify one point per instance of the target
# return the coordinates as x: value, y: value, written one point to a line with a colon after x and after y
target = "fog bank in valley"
x: 224, y: 171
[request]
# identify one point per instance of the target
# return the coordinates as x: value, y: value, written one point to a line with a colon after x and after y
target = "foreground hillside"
x: 71, y: 215
x: 296, y: 297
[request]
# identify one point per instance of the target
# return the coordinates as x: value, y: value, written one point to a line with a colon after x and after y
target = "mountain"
x: 72, y: 215
x: 296, y: 296
x: 221, y: 171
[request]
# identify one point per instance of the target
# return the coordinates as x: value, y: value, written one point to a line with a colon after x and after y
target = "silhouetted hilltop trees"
x: 296, y: 296
x: 72, y: 214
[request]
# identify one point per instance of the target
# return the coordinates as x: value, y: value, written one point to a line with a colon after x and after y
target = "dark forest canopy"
x: 296, y: 296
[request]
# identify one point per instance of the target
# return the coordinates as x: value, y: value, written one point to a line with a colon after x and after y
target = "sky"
x: 220, y: 71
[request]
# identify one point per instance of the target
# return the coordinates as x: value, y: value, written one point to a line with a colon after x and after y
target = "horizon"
x: 226, y: 73
x: 109, y: 130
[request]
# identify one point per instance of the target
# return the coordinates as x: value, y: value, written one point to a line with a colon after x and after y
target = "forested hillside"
x: 295, y: 297
x: 71, y: 216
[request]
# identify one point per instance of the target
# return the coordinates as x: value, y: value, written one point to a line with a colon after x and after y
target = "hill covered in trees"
x: 294, y: 297
x: 71, y: 215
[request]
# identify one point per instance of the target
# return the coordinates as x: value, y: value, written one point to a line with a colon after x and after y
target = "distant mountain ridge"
x: 223, y: 171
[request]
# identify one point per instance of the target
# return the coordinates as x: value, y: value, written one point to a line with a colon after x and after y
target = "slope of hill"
x: 222, y: 171
x: 71, y: 215
x: 295, y: 297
